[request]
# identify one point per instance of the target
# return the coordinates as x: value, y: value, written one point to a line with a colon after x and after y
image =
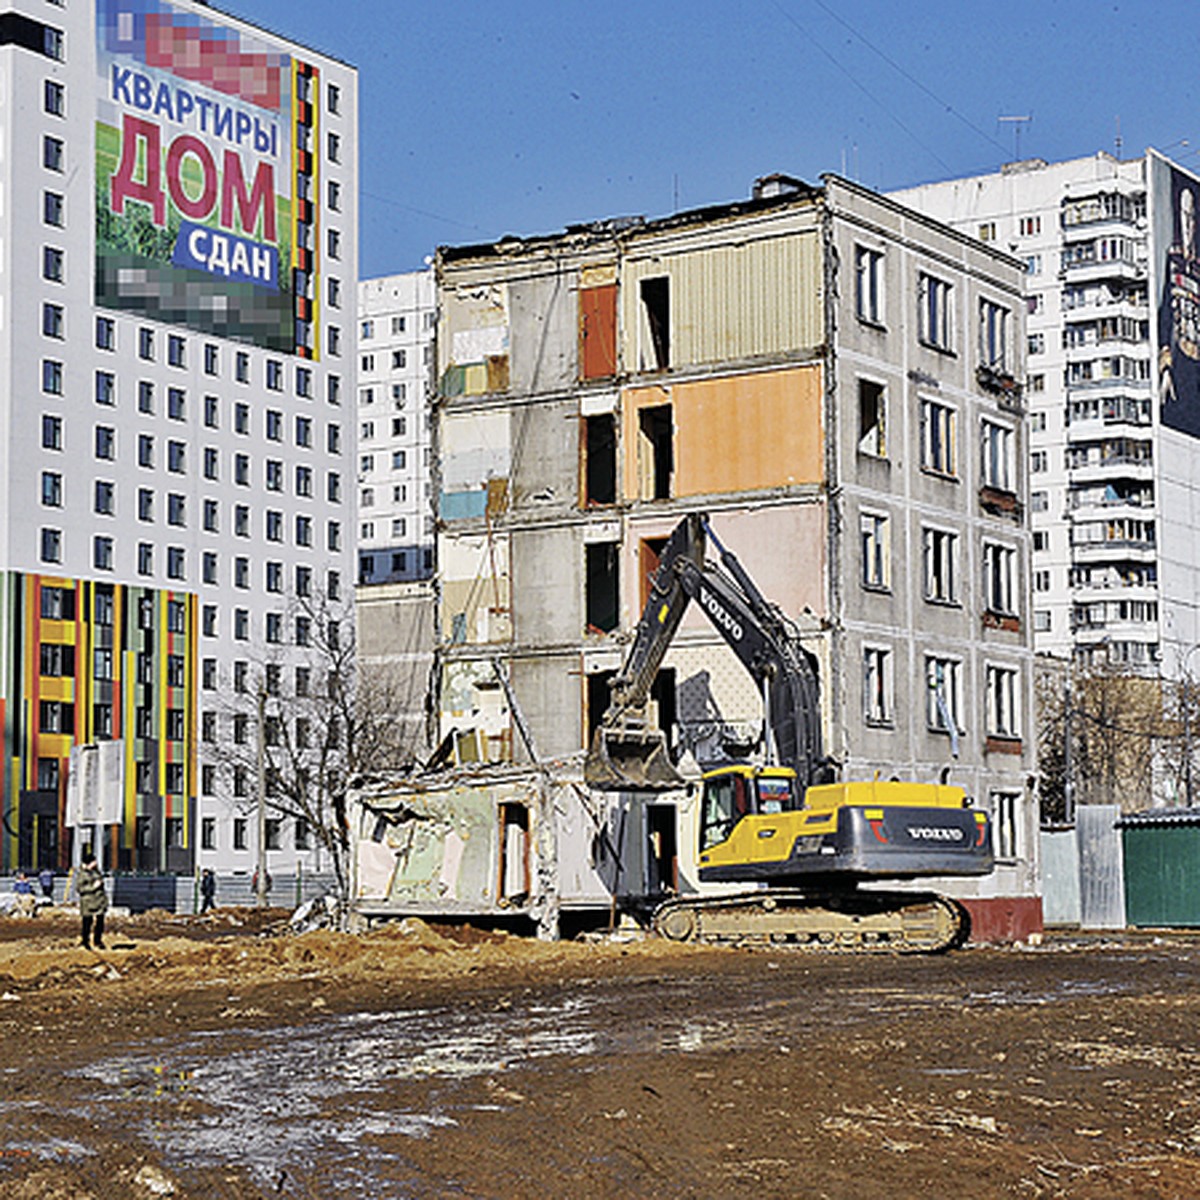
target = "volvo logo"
x: 934, y: 833
x: 718, y: 613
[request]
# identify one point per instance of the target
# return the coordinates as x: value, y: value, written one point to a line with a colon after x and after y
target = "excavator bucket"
x: 633, y: 758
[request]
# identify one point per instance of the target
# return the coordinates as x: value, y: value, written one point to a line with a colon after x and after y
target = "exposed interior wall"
x: 476, y: 592
x: 473, y: 339
x: 545, y: 454
x: 549, y: 693
x: 734, y: 434
x: 547, y: 565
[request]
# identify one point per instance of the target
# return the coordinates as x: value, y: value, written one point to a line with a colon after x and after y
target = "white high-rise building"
x: 178, y: 250
x: 397, y: 322
x: 1111, y: 392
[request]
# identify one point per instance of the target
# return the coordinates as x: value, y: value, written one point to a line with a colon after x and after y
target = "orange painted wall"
x: 736, y: 433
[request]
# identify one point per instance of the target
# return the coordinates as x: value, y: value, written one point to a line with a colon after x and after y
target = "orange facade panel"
x: 598, y: 331
x: 734, y: 434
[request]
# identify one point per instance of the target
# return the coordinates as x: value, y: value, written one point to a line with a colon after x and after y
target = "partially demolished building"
x: 834, y: 379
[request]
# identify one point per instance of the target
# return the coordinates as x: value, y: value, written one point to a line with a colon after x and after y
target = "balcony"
x: 1114, y: 550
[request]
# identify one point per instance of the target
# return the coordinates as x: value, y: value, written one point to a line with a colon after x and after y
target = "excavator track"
x: 855, y: 922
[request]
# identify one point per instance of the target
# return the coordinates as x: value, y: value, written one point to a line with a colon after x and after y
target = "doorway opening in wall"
x: 664, y: 710
x: 601, y: 586
x: 656, y: 303
x: 656, y: 452
x: 649, y: 555
x: 662, y: 849
x: 600, y: 460
x: 599, y: 696
x: 513, y: 874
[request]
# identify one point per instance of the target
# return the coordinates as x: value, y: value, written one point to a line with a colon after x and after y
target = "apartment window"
x: 56, y: 661
x: 935, y: 322
x: 146, y: 344
x: 333, y: 439
x: 241, y: 470
x: 1041, y: 620
x: 334, y: 147
x: 51, y: 548
x: 943, y: 705
x: 103, y: 499
x: 145, y: 504
x: 274, y: 375
x: 176, y: 509
x: 241, y: 520
x: 106, y: 333
x: 241, y: 418
x: 52, y: 433
x: 334, y: 243
x: 47, y: 774
x: 52, y: 376
x: 241, y: 624
x: 1038, y: 461
x: 335, y: 293
x: 877, y: 685
x: 211, y: 516
x: 939, y: 560
x: 274, y: 477
x: 303, y: 531
x: 52, y: 489
x: 241, y: 367
x: 145, y: 558
x: 1039, y: 501
x: 212, y: 412
x: 938, y: 428
x: 399, y: 394
x: 176, y: 404
x: 52, y: 264
x: 52, y: 212
x: 241, y: 572
x: 303, y: 581
x: 993, y: 335
x: 303, y: 382
x: 208, y: 825
x: 212, y: 463
x: 1002, y: 702
x: 52, y: 321
x: 400, y: 458
x: 399, y: 426
x: 176, y: 353
x: 241, y: 670
x: 102, y: 552
x: 106, y: 442
x: 176, y: 670
x: 212, y: 359
x: 273, y: 425
x: 304, y: 432
x: 1040, y: 540
x: 274, y: 628
x: 997, y: 456
x: 145, y: 450
x: 274, y: 525
x: 987, y: 231
x: 304, y: 481
x: 334, y: 192
x: 1036, y: 343
x: 1005, y: 828
x: 999, y: 578
x: 303, y: 631
x: 239, y: 823
x: 52, y: 153
x: 868, y: 284
x: 333, y: 535
x: 54, y: 97
x: 333, y: 386
x: 274, y: 577
x: 106, y: 388
x: 399, y: 359
x: 876, y: 556
x: 1030, y: 226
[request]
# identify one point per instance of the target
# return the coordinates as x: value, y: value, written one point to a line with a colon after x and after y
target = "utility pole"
x: 1068, y: 772
x: 261, y: 872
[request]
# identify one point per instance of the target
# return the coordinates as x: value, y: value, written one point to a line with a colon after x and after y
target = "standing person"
x: 46, y: 879
x: 23, y: 890
x: 208, y: 890
x: 93, y: 900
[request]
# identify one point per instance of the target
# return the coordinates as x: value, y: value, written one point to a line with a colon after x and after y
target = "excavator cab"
x: 743, y: 790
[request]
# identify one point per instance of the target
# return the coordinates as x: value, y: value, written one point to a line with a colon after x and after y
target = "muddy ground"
x: 222, y: 1057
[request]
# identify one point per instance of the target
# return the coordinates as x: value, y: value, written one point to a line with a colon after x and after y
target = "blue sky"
x: 484, y: 119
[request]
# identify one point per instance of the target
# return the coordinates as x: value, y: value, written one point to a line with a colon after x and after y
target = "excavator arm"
x: 626, y: 751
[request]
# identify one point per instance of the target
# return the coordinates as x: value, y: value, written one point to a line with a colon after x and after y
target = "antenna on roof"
x: 1016, y: 123
x: 1117, y: 140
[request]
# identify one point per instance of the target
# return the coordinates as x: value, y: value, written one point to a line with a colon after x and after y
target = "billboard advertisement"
x: 1174, y: 209
x: 196, y: 157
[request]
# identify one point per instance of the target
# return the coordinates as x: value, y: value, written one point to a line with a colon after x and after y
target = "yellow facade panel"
x: 755, y: 298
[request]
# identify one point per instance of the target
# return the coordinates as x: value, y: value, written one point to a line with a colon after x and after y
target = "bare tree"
x: 327, y: 722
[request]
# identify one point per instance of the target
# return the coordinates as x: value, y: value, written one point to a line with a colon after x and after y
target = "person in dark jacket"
x: 208, y: 890
x: 93, y: 901
x: 46, y: 879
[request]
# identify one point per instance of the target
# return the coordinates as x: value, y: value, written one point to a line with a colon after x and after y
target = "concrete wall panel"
x: 551, y: 696
x: 545, y: 455
x: 547, y: 580
x: 544, y: 314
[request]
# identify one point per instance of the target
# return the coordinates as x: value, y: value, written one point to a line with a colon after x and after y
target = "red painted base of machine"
x: 1004, y: 918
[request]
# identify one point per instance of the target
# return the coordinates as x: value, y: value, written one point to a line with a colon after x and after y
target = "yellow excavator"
x: 808, y: 843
